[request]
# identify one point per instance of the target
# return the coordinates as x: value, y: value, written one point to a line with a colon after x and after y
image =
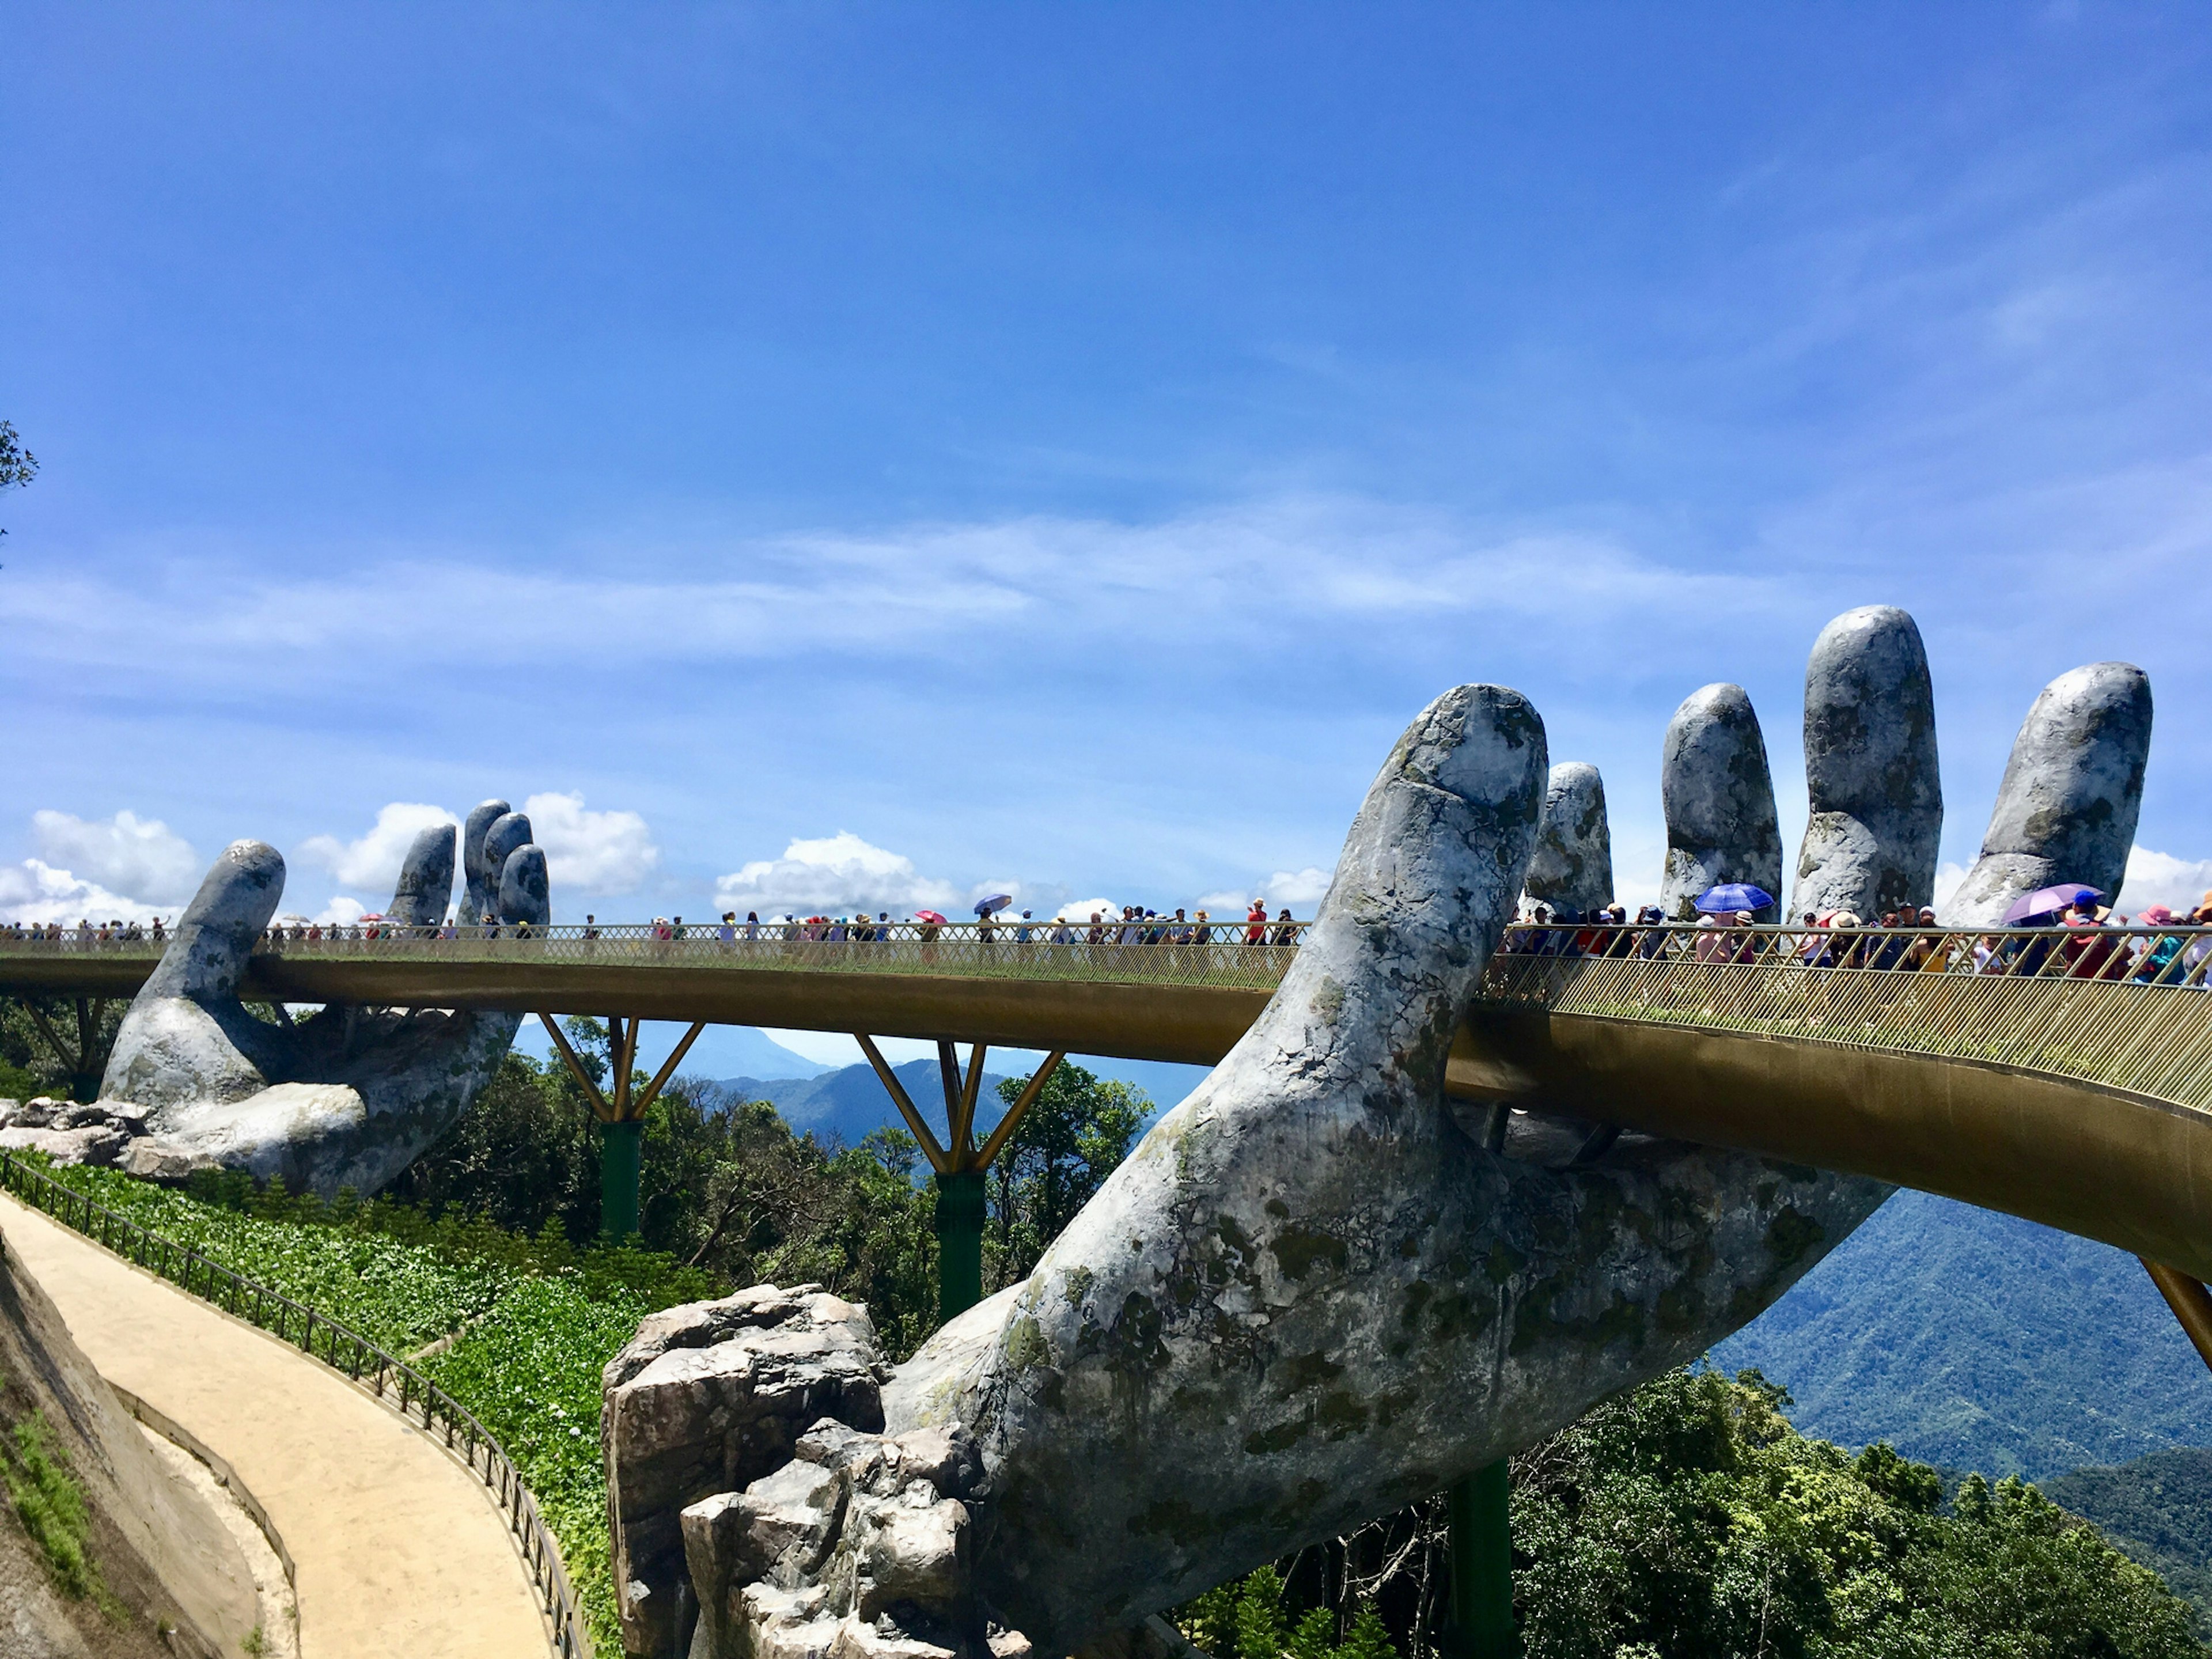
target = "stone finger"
x: 1871, y: 772
x: 1572, y: 865
x: 481, y: 891
x: 426, y: 880
x: 1717, y: 796
x: 215, y: 938
x: 524, y: 895
x: 2066, y: 811
x: 508, y: 832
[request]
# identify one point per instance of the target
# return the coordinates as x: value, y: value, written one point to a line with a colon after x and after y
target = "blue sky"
x: 1058, y: 446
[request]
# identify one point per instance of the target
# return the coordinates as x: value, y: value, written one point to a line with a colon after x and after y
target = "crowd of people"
x: 2085, y: 941
x: 1134, y: 924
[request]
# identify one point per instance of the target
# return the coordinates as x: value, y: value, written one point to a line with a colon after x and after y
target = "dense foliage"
x: 1687, y: 1519
x: 2157, y: 1509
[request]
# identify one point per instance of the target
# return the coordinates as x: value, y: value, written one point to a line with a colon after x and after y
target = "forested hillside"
x: 1974, y: 1340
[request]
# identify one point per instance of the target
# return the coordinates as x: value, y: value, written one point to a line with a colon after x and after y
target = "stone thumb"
x: 215, y: 936
x: 524, y: 893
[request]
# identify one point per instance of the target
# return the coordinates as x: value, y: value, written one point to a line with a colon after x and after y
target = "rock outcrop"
x: 1871, y: 771
x: 1718, y: 799
x: 2067, y: 808
x: 146, y: 1540
x: 707, y: 1399
x: 347, y: 1098
x: 1572, y: 864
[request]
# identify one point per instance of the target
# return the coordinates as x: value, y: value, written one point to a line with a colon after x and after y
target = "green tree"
x: 18, y: 466
x: 1077, y: 1131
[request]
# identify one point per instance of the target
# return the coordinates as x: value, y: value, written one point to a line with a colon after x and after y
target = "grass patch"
x: 51, y: 1505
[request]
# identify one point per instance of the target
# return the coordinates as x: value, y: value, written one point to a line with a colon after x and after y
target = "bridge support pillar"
x: 960, y: 1213
x: 622, y: 1148
x: 1481, y: 1544
x: 620, y: 1115
x: 960, y: 1163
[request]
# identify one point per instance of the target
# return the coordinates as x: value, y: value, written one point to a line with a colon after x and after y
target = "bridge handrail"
x: 2096, y: 1006
x: 343, y: 1350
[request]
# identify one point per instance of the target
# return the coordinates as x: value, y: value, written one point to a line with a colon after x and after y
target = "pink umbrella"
x: 929, y: 915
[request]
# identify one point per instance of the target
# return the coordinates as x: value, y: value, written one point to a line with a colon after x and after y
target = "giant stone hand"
x: 348, y: 1097
x: 1313, y: 1294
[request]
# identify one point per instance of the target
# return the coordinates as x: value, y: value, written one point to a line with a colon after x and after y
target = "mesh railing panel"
x: 2122, y: 1007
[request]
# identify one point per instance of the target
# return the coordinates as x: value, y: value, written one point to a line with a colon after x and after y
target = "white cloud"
x: 1084, y: 909
x: 920, y: 589
x: 126, y: 853
x: 835, y: 872
x: 1949, y: 878
x: 1300, y: 890
x: 35, y: 890
x: 2161, y: 878
x: 592, y: 852
x: 372, y: 863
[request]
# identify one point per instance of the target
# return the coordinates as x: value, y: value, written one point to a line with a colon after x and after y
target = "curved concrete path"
x: 398, y: 1551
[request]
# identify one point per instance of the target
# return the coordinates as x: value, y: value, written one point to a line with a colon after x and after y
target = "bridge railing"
x: 1158, y: 951
x: 2118, y: 1006
x: 390, y: 1379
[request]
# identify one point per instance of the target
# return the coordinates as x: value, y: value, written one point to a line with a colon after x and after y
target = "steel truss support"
x: 620, y: 1116
x: 960, y: 1166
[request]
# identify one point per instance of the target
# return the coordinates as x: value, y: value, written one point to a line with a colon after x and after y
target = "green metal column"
x: 960, y: 1211
x: 621, y: 1154
x: 1482, y: 1565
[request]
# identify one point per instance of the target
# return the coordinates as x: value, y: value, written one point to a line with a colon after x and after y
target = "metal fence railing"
x: 1160, y: 950
x: 391, y: 1380
x: 2119, y: 1006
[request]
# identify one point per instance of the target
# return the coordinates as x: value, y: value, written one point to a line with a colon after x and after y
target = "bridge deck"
x: 2071, y: 1084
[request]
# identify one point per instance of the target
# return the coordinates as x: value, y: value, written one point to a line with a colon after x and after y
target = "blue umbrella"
x: 2049, y: 901
x: 996, y: 901
x: 1733, y: 896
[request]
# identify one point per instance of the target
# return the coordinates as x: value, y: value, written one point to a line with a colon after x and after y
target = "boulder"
x: 94, y: 1144
x: 150, y: 1159
x: 1871, y: 772
x: 1717, y: 796
x: 2066, y: 809
x: 707, y: 1399
x: 1572, y: 864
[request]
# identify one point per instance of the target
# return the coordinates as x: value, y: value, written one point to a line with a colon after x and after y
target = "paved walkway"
x: 398, y: 1551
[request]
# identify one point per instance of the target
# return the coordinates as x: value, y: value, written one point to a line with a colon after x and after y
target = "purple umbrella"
x: 996, y: 901
x: 2049, y: 901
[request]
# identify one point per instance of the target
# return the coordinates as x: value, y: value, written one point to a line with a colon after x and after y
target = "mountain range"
x: 1975, y: 1341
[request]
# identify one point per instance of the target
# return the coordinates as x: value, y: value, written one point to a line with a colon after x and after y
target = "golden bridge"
x: 2062, y: 1077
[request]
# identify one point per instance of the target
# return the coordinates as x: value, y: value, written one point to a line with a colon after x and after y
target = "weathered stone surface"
x: 480, y: 885
x: 1572, y: 865
x: 149, y: 1160
x: 93, y: 1144
x: 1718, y: 799
x: 508, y: 836
x: 346, y: 1098
x: 707, y: 1399
x: 426, y: 880
x: 2067, y: 808
x: 1871, y: 770
x: 522, y: 887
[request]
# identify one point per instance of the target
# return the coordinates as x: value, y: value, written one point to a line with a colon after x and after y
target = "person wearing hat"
x: 2162, y: 951
x: 2090, y: 947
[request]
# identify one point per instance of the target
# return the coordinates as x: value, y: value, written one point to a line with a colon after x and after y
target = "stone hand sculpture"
x: 2067, y: 808
x: 348, y: 1097
x: 1871, y: 769
x: 1309, y: 1297
x: 1718, y: 799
